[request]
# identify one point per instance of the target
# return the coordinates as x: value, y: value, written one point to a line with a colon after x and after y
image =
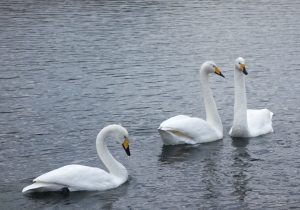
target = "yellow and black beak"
x: 218, y: 72
x: 243, y: 68
x: 126, y: 146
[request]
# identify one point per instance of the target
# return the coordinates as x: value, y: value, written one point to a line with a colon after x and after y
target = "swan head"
x: 120, y: 134
x: 210, y: 67
x: 240, y: 65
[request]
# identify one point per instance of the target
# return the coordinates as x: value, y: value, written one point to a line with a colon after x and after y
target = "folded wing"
x: 74, y: 178
x: 184, y: 129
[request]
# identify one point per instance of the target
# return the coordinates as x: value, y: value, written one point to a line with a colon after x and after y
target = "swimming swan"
x: 247, y: 122
x: 78, y: 177
x: 183, y: 129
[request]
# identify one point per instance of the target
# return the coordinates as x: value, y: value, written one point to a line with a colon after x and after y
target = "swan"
x: 247, y: 122
x: 183, y: 129
x: 79, y: 177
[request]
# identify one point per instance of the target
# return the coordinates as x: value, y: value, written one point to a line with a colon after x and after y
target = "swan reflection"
x: 187, y: 152
x: 241, y: 164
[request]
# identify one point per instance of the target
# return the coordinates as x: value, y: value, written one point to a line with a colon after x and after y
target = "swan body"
x: 247, y: 122
x: 183, y: 129
x: 79, y: 177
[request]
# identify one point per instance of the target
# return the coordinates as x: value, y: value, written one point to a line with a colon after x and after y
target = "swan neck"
x: 212, y: 115
x: 113, y: 166
x: 240, y: 101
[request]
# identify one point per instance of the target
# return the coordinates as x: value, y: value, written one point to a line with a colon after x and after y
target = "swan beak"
x: 126, y: 146
x: 243, y: 68
x: 218, y: 72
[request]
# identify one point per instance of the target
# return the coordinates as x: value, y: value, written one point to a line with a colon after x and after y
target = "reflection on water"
x: 201, y: 162
x: 175, y: 153
x: 186, y: 152
x: 240, y: 143
x: 241, y: 164
x: 210, y: 177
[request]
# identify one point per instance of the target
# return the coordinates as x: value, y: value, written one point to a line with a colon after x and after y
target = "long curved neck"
x: 113, y: 166
x: 240, y: 101
x: 212, y: 115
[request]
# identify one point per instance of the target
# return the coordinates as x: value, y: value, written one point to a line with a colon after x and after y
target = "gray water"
x: 68, y: 68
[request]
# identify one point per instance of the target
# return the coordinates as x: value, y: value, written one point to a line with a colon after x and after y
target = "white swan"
x: 78, y: 177
x: 247, y: 122
x: 183, y: 129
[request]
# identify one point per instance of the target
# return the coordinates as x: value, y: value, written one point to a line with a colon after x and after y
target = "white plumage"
x: 247, y: 122
x: 183, y: 129
x: 78, y: 177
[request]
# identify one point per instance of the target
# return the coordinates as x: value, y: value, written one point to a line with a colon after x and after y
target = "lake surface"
x: 68, y: 68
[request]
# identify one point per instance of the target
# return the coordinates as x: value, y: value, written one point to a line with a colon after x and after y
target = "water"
x: 68, y: 68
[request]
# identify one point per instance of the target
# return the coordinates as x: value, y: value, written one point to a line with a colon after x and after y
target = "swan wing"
x: 78, y: 177
x: 259, y: 121
x: 43, y: 187
x: 183, y: 129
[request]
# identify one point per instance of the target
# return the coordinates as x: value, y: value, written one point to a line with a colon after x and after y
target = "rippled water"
x: 68, y: 68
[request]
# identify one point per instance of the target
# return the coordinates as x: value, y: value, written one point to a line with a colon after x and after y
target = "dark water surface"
x: 68, y: 68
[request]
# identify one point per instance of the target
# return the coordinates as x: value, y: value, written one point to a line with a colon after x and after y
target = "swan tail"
x: 271, y: 116
x: 43, y: 187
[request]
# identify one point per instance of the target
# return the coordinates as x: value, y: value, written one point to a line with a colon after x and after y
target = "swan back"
x: 259, y: 122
